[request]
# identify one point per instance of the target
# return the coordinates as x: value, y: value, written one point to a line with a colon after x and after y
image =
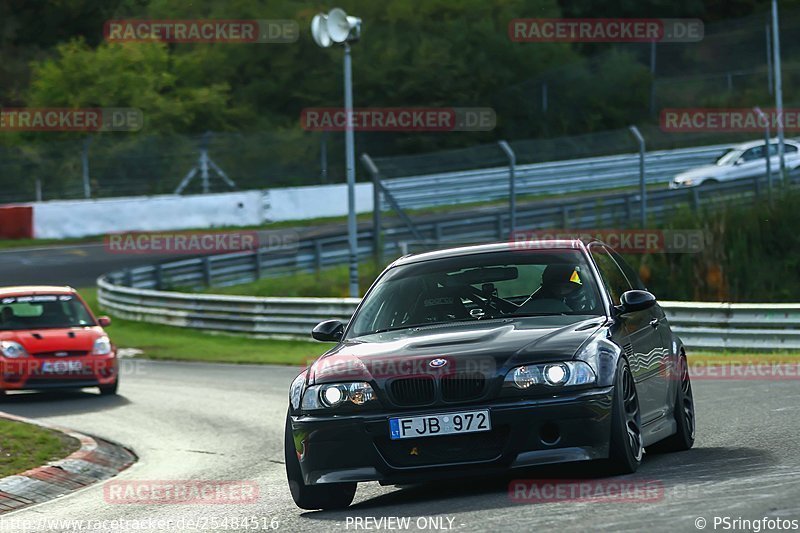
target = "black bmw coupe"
x: 483, y: 359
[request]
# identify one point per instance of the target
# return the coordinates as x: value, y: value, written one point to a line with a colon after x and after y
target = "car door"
x: 658, y: 319
x: 752, y: 162
x: 790, y: 155
x: 640, y: 336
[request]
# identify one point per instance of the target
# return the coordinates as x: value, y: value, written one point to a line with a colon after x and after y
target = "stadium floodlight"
x: 319, y: 30
x: 340, y: 28
x: 343, y: 28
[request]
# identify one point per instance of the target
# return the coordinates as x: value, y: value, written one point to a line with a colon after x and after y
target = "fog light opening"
x: 549, y: 434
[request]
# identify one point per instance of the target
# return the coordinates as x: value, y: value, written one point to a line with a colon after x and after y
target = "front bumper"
x: 38, y: 373
x: 528, y: 432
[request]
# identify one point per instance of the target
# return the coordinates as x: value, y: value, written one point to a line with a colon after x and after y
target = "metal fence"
x: 700, y: 325
x: 556, y: 177
x: 608, y: 210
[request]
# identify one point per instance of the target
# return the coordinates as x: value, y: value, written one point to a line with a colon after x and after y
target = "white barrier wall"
x: 300, y: 203
x: 78, y: 218
x: 60, y: 219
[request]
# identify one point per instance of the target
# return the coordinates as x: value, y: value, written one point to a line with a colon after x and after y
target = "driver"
x: 562, y: 282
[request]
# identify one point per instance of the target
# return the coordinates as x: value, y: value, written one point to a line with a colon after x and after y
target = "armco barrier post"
x: 642, y: 184
x: 512, y: 195
x: 377, y: 230
x: 87, y: 188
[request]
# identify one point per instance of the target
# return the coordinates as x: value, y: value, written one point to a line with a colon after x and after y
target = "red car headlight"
x: 12, y: 350
x: 102, y: 346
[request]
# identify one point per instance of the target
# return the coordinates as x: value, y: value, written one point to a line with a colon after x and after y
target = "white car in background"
x: 741, y: 161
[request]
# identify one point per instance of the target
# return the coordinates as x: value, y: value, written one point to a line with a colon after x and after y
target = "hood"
x: 42, y: 341
x: 490, y: 347
x: 706, y: 171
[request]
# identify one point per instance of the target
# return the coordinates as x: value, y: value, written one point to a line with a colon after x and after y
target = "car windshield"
x: 729, y: 157
x: 43, y: 311
x: 477, y: 287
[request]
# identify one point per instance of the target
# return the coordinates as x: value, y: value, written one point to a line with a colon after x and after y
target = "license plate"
x: 61, y: 367
x: 444, y: 424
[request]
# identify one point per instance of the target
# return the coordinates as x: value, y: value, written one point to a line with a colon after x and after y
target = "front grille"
x: 463, y: 387
x: 444, y: 449
x: 62, y: 353
x: 413, y: 391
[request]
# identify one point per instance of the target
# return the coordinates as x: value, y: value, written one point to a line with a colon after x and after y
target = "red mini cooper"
x: 49, y: 338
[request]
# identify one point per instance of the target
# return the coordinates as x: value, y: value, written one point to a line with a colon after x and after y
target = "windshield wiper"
x: 410, y: 326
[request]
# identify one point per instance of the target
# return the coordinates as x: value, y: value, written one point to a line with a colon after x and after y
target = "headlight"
x: 12, y: 350
x: 567, y: 374
x: 296, y: 390
x: 556, y: 374
x: 525, y: 376
x: 102, y: 346
x: 333, y: 395
x: 360, y: 393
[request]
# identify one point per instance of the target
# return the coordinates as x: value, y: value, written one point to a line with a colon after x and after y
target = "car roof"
x: 25, y: 290
x: 753, y: 144
x: 519, y: 245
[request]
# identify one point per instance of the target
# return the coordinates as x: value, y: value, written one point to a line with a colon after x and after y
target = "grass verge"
x: 24, y: 446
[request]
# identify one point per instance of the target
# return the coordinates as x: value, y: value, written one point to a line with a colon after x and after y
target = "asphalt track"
x: 225, y: 422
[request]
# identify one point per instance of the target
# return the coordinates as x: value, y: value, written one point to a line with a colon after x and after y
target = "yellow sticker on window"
x: 575, y: 278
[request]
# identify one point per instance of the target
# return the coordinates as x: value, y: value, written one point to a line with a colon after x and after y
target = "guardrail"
x: 700, y: 325
x: 618, y: 210
x: 554, y: 177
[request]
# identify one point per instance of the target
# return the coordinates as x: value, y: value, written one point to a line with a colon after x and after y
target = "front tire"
x: 626, y: 449
x: 311, y: 497
x: 109, y: 390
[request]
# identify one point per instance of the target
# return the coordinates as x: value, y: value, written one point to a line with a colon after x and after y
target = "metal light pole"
x: 776, y: 50
x: 349, y: 141
x: 338, y: 27
x: 642, y: 185
x: 764, y: 117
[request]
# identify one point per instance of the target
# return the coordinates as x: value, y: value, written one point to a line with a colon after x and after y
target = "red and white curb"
x: 96, y: 460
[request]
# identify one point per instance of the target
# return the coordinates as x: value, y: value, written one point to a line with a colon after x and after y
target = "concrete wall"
x: 79, y: 218
x: 300, y: 203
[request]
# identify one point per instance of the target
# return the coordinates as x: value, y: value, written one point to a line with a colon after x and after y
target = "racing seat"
x: 439, y: 305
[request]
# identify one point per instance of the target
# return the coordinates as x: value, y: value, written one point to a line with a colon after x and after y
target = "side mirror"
x: 635, y: 300
x: 104, y: 321
x: 328, y: 331
x: 738, y: 162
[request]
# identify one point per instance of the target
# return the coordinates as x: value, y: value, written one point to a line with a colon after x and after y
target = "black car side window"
x: 633, y: 278
x: 614, y: 280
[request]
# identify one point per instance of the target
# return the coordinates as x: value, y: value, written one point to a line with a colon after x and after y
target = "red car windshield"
x: 43, y: 311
